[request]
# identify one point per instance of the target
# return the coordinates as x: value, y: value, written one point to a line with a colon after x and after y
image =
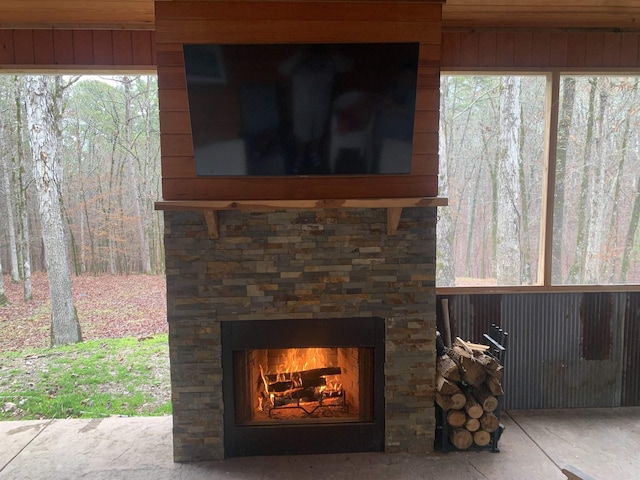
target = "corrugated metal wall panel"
x: 631, y: 354
x: 565, y: 350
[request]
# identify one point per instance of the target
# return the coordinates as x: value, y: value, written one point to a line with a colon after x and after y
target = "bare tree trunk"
x: 25, y: 241
x: 494, y: 172
x: 108, y: 211
x: 612, y: 237
x: 525, y: 237
x: 6, y: 183
x: 509, y: 254
x: 576, y: 272
x: 27, y: 287
x: 630, y: 242
x: 564, y: 130
x: 446, y: 267
x: 44, y: 97
x: 471, y: 249
x: 597, y: 199
x: 149, y: 176
x: 143, y: 243
x: 83, y: 258
x: 3, y: 297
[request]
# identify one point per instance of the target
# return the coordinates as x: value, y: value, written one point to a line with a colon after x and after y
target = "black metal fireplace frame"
x: 249, y: 440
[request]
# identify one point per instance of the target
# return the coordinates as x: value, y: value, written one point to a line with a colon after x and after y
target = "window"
x: 542, y: 175
x: 597, y: 198
x: 492, y: 148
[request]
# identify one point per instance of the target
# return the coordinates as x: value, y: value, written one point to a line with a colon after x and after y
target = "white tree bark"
x: 27, y: 288
x: 509, y: 255
x: 44, y: 98
x: 597, y: 198
x: 19, y: 166
x: 3, y: 296
x: 446, y: 264
x: 6, y: 183
x: 143, y: 243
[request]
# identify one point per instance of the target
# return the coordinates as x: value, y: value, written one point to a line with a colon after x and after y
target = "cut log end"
x: 448, y: 368
x: 472, y: 407
x: 461, y: 438
x: 446, y: 387
x: 459, y: 401
x: 472, y: 424
x: 489, y: 422
x: 481, y: 438
x: 487, y: 401
x: 456, y: 418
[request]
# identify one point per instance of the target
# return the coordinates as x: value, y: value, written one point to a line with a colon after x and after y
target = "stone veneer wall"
x: 298, y: 264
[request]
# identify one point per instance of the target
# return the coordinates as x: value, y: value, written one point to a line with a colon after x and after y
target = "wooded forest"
x: 492, y: 168
x: 109, y: 176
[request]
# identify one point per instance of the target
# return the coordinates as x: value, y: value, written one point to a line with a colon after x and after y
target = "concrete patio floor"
x: 535, y: 445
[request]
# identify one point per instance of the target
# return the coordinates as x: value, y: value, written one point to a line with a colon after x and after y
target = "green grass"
x: 97, y: 378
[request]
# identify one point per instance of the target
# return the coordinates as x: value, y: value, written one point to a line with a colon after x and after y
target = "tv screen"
x: 302, y: 109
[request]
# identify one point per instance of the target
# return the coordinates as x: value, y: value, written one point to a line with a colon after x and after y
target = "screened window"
x: 492, y: 162
x: 510, y: 145
x: 597, y: 201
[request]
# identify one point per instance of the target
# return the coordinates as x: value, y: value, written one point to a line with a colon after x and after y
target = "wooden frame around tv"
x: 211, y: 21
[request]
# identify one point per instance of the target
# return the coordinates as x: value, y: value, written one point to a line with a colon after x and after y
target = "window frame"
x: 552, y: 110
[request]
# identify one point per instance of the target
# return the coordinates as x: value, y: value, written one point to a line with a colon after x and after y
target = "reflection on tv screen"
x: 303, y: 109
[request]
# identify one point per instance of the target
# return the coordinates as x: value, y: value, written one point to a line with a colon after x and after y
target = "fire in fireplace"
x: 303, y: 386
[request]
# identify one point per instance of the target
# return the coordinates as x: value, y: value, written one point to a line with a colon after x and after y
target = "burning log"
x: 304, y: 375
x: 293, y: 388
x: 278, y: 387
x: 292, y: 396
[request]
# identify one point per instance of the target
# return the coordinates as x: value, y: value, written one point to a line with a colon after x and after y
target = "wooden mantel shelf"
x: 394, y: 207
x: 306, y: 204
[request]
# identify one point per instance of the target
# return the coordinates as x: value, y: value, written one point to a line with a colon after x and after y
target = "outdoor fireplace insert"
x: 303, y: 386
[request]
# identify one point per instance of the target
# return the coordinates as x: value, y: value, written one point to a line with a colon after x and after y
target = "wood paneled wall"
x: 296, y: 22
x: 540, y: 50
x: 53, y: 49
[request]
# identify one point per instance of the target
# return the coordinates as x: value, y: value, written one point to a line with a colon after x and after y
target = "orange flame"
x: 300, y: 359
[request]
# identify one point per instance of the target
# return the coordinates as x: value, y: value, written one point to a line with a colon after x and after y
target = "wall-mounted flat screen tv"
x: 303, y: 109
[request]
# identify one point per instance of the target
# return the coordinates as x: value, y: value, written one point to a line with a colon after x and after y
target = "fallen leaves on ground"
x: 108, y: 307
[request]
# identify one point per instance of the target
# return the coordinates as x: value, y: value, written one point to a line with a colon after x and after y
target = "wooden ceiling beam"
x: 610, y: 14
x: 140, y: 15
x: 78, y: 14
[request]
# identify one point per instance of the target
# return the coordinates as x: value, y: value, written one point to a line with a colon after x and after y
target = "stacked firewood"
x: 468, y: 380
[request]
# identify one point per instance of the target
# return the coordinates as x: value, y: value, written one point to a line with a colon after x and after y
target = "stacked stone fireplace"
x: 287, y: 279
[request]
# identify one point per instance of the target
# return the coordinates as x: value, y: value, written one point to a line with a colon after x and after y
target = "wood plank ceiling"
x: 139, y: 14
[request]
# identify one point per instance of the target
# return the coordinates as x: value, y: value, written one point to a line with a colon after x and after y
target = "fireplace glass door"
x: 303, y: 386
